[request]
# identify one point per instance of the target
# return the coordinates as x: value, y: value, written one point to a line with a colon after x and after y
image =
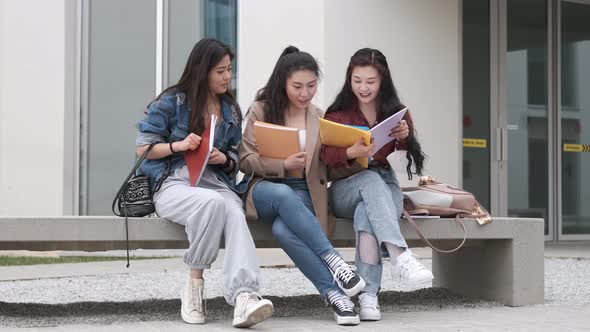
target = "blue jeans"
x: 373, y: 199
x: 296, y: 228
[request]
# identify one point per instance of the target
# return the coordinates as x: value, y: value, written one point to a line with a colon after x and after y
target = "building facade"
x: 498, y: 89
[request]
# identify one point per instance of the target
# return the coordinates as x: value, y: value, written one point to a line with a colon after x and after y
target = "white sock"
x: 394, y: 251
x: 333, y: 260
x: 334, y: 295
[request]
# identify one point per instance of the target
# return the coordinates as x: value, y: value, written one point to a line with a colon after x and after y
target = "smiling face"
x: 301, y: 87
x: 220, y: 75
x: 365, y: 82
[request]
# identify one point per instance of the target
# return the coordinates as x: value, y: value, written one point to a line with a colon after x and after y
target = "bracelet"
x: 172, y: 150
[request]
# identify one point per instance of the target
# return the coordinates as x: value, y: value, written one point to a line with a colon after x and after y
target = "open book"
x: 276, y: 141
x: 197, y: 159
x: 343, y: 136
x: 380, y: 133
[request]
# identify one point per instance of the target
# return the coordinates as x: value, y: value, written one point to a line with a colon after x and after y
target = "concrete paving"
x: 533, y: 318
x: 297, y: 306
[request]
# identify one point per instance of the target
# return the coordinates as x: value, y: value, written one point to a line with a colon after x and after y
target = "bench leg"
x: 507, y: 271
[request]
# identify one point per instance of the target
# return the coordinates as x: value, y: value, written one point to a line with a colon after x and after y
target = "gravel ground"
x: 152, y: 296
x: 567, y: 281
x: 154, y: 285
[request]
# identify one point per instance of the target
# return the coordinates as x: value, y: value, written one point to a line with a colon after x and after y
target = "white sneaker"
x: 411, y: 272
x: 250, y: 309
x: 369, y: 304
x: 192, y: 297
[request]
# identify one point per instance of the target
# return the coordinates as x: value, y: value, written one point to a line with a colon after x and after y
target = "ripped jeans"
x: 373, y: 199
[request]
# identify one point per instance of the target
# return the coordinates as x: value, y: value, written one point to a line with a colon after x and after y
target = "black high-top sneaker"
x: 348, y: 280
x: 343, y: 307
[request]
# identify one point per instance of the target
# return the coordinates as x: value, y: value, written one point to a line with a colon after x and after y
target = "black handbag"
x: 134, y: 198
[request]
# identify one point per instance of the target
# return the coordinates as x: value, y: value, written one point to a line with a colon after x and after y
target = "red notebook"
x: 196, y: 160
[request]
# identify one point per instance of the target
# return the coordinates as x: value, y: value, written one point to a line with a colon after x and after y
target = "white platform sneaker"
x: 369, y: 304
x: 250, y: 309
x: 410, y: 273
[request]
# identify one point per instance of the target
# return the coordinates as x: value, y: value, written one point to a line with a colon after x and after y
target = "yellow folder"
x: 276, y: 141
x: 343, y: 136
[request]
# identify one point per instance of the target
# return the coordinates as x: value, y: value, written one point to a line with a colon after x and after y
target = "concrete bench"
x: 502, y: 261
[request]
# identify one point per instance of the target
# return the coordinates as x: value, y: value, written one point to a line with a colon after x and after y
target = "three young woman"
x: 372, y: 197
x: 291, y: 194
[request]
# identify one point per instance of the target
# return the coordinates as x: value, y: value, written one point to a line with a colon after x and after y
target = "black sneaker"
x: 350, y: 282
x: 344, y: 311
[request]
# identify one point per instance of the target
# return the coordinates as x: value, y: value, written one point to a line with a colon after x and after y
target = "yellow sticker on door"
x: 474, y: 143
x: 576, y: 147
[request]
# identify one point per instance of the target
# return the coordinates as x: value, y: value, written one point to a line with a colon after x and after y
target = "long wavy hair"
x: 194, y: 81
x: 388, y: 101
x: 274, y: 94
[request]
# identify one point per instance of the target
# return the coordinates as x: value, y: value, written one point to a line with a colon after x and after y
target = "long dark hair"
x: 206, y: 54
x: 388, y: 101
x: 274, y: 93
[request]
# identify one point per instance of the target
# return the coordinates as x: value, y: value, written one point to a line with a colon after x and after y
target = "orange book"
x: 197, y: 159
x: 341, y: 135
x: 276, y: 141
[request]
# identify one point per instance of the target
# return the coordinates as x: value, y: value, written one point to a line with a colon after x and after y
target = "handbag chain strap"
x: 121, y: 194
x: 458, y: 219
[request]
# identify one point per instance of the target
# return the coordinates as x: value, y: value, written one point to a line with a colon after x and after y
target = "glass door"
x: 476, y: 100
x: 524, y: 126
x: 574, y: 119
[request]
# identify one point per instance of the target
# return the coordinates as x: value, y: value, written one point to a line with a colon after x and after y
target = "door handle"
x: 504, y: 143
x: 498, y: 154
x: 501, y: 153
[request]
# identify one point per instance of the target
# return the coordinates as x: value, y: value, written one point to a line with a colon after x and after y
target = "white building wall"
x: 421, y: 40
x: 265, y: 28
x: 31, y: 107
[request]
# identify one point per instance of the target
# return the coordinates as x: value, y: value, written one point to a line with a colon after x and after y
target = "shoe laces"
x: 198, y: 301
x: 367, y: 300
x: 249, y: 300
x: 411, y: 264
x: 344, y: 273
x: 343, y: 303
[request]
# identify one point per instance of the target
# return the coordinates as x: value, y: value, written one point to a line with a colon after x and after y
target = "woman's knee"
x: 215, y: 201
x: 283, y: 194
x: 233, y: 207
x: 281, y: 232
x: 368, y: 179
x: 267, y: 190
x: 209, y: 210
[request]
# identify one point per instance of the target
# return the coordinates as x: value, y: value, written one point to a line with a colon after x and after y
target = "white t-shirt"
x: 301, y: 133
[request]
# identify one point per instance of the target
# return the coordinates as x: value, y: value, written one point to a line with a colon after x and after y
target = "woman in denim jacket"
x: 212, y: 209
x: 372, y: 197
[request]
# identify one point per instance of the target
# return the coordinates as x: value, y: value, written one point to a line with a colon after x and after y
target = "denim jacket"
x: 168, y: 120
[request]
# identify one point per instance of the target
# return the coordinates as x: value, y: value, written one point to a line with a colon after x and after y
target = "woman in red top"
x: 372, y: 197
